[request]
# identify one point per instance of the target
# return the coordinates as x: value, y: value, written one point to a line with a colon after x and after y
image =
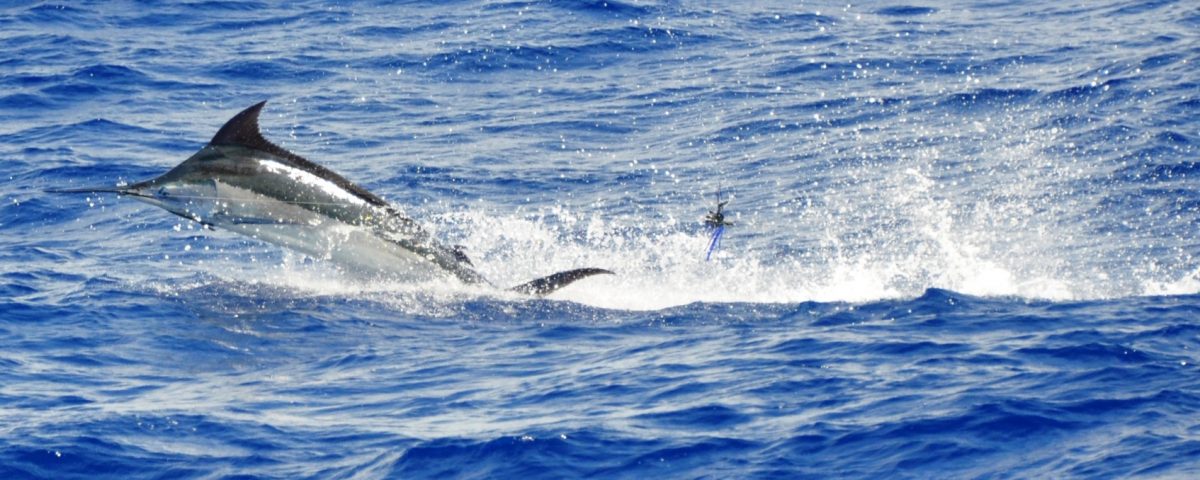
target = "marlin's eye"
x: 162, y: 192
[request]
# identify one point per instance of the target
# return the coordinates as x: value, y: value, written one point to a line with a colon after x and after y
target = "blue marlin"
x: 244, y: 183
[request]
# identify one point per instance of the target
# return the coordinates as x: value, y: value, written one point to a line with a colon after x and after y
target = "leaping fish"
x: 244, y: 183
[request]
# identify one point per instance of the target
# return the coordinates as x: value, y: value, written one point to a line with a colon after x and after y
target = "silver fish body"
x: 243, y: 183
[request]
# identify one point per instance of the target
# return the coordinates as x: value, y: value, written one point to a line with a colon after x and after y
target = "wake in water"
x: 1003, y: 208
x: 663, y: 265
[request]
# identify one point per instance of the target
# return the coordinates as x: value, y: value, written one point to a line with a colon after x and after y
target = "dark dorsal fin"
x: 242, y: 130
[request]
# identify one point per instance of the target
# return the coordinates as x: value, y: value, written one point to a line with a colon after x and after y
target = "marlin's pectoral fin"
x: 264, y: 221
x: 248, y: 220
x: 549, y: 284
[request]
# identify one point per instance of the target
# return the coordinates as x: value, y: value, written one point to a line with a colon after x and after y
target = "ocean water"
x: 964, y: 241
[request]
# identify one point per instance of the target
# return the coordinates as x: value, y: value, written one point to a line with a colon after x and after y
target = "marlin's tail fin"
x: 547, y: 285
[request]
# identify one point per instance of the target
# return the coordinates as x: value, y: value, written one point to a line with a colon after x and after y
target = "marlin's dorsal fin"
x: 242, y: 130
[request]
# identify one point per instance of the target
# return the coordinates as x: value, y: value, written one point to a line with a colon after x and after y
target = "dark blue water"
x: 964, y: 241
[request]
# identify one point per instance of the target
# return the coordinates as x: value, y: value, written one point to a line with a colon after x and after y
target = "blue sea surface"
x: 964, y: 241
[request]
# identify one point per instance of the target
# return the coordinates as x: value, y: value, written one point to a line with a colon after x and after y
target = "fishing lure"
x: 715, y: 223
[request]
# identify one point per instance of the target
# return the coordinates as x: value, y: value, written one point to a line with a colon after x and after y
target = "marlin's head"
x: 191, y: 199
x: 184, y: 190
x: 186, y: 197
x: 189, y: 189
